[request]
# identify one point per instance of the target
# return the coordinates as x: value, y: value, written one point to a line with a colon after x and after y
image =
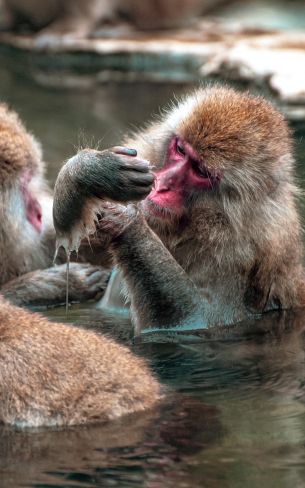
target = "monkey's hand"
x: 114, y: 174
x: 113, y: 219
x: 47, y: 287
x: 91, y: 176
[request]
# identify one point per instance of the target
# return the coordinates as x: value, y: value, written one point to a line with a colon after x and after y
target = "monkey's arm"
x: 161, y: 293
x: 91, y: 176
x: 48, y: 287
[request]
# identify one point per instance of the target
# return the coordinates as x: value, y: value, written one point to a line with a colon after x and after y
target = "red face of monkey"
x: 32, y: 208
x: 183, y: 174
x: 20, y: 166
x: 223, y: 140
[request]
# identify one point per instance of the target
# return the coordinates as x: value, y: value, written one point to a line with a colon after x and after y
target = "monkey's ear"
x: 259, y: 296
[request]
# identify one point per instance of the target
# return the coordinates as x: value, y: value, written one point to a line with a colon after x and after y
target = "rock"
x: 272, y: 59
x: 276, y: 59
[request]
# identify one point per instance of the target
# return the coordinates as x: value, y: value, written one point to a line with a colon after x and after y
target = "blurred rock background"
x: 83, y: 43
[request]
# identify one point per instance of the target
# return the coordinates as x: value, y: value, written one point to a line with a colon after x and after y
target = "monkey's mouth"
x: 154, y: 210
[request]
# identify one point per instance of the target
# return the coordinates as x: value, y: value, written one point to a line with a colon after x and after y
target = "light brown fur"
x: 18, y: 148
x: 53, y: 374
x: 243, y: 244
x: 22, y: 249
x: 238, y: 243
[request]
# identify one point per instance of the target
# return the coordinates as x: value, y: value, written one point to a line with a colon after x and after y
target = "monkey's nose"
x: 161, y: 186
x: 162, y: 183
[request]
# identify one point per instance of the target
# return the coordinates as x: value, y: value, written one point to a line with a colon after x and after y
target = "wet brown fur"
x: 238, y: 243
x: 53, y: 374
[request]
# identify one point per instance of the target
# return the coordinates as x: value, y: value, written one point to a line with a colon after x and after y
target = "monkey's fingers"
x: 139, y: 192
x: 140, y: 165
x: 142, y: 180
x: 125, y: 151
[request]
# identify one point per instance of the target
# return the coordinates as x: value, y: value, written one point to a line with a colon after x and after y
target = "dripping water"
x: 63, y: 243
x: 67, y: 281
x: 72, y: 239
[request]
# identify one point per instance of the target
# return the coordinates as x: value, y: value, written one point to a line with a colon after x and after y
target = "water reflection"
x: 235, y: 414
x: 268, y: 353
x: 129, y: 452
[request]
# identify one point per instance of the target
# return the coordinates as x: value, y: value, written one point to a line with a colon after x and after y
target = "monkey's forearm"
x: 161, y: 293
x: 48, y: 287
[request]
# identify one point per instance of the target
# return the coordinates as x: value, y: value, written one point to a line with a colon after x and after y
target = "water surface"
x: 236, y: 413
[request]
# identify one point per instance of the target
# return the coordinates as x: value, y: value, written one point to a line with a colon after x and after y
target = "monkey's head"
x: 21, y: 169
x: 220, y: 146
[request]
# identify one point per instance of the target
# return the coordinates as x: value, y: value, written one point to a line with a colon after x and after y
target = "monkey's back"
x: 54, y: 374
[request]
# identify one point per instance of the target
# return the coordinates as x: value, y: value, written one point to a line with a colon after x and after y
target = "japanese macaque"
x: 217, y: 238
x: 27, y: 236
x: 54, y: 375
x: 80, y: 17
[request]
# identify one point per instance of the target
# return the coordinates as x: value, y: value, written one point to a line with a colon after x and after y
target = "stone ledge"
x: 272, y: 59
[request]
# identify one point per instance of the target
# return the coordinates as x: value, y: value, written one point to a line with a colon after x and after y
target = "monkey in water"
x: 79, y: 18
x: 57, y: 375
x: 217, y: 238
x: 51, y: 374
x: 27, y: 236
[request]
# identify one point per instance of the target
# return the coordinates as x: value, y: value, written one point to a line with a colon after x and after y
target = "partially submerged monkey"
x: 217, y: 239
x: 27, y: 236
x: 51, y: 374
x: 57, y: 375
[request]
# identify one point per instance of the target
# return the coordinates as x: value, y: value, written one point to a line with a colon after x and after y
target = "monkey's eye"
x: 179, y: 148
x: 203, y: 172
x: 199, y: 170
